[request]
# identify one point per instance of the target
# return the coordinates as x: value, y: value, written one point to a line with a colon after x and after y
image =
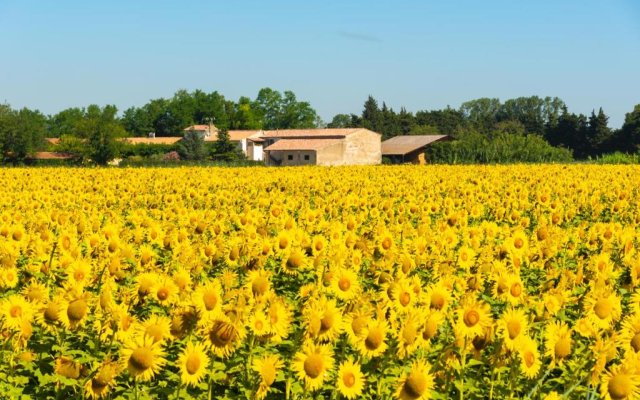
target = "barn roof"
x: 302, y: 144
x: 399, y: 145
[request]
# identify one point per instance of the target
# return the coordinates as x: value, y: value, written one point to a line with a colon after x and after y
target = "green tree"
x: 372, y: 116
x: 21, y: 132
x: 268, y: 104
x: 245, y: 117
x: 598, y: 133
x: 102, y: 129
x: 481, y: 113
x: 224, y: 149
x: 283, y: 112
x: 628, y: 138
x: 297, y: 114
x: 137, y: 122
x: 65, y: 122
x: 192, y: 146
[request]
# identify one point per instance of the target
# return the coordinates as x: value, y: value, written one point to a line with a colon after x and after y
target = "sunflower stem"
x: 463, y: 361
x: 540, y: 382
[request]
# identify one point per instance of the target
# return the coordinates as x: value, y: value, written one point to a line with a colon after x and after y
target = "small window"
x: 290, y: 157
x: 306, y: 157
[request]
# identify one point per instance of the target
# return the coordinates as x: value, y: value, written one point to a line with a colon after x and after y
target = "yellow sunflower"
x: 208, y: 298
x: 355, y: 324
x: 142, y: 357
x: 603, y: 308
x: 259, y: 324
x: 15, y: 311
x: 280, y: 317
x: 73, y: 312
x: 258, y: 282
x: 621, y: 382
x: 372, y: 342
x: 472, y: 317
x: 558, y: 341
x: 345, y: 284
x: 629, y: 338
x: 350, y: 379
x: 417, y: 384
x: 513, y: 326
x: 267, y: 367
x: 222, y: 335
x: 193, y: 363
x: 409, y: 334
x: 530, y: 362
x: 157, y: 327
x: 439, y: 297
x: 294, y: 261
x: 313, y: 364
x: 103, y: 381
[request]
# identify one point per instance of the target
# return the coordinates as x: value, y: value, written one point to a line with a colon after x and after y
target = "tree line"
x: 95, y: 129
x: 548, y: 118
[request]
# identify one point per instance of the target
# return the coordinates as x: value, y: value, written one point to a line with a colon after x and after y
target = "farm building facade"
x: 322, y: 147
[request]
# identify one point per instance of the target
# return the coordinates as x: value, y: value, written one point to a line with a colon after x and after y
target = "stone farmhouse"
x: 353, y: 146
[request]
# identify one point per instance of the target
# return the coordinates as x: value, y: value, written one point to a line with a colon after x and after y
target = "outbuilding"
x: 410, y: 148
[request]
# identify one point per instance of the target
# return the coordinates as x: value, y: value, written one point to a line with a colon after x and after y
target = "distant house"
x: 354, y: 146
x: 410, y: 149
x: 250, y: 142
x: 207, y: 131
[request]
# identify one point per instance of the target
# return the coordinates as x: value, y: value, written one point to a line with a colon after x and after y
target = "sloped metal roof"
x: 400, y: 145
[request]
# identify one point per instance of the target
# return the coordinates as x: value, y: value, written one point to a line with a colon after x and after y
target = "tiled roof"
x: 239, y: 135
x: 399, y: 145
x: 290, y: 133
x: 154, y: 140
x: 302, y: 144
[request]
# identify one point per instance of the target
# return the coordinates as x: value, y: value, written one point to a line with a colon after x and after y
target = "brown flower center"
x: 513, y: 328
x: 415, y: 385
x: 603, y: 308
x: 210, y: 299
x: 620, y: 387
x: 77, y: 310
x: 141, y: 359
x: 260, y: 285
x: 313, y: 365
x: 471, y: 318
x: 374, y: 339
x: 529, y: 359
x: 562, y: 348
x: 437, y: 301
x: 344, y: 284
x: 163, y: 294
x: 193, y: 363
x: 348, y: 379
x: 405, y: 298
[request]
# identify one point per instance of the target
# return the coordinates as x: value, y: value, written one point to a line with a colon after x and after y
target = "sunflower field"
x: 398, y: 282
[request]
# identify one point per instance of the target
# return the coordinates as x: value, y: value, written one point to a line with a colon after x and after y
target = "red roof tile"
x: 302, y: 144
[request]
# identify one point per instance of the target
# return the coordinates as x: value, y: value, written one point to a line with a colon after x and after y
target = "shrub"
x: 501, y: 147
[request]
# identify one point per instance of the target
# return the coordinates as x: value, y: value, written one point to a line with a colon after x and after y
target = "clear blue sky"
x: 332, y: 53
